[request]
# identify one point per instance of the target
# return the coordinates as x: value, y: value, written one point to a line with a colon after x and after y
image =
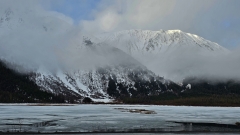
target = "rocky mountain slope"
x: 18, y: 88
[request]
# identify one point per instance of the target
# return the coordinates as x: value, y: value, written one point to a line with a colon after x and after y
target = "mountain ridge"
x: 109, y: 65
x: 156, y: 41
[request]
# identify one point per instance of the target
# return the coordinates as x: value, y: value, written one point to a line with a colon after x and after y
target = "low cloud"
x: 32, y: 36
x: 182, y: 64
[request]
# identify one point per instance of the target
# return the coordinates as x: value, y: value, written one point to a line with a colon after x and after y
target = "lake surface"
x: 114, y: 118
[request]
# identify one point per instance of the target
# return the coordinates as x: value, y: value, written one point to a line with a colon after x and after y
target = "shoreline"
x: 74, y: 104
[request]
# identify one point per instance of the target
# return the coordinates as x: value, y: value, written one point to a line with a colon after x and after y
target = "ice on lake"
x: 89, y: 118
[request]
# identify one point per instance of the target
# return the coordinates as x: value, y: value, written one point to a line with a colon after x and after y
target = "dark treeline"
x: 214, y: 100
x: 202, y: 93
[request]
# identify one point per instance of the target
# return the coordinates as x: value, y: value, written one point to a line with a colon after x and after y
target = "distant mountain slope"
x: 17, y: 88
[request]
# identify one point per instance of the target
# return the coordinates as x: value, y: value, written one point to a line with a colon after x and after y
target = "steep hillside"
x: 122, y: 76
x: 17, y: 88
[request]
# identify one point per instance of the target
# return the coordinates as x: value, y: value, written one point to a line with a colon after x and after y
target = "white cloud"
x: 145, y: 14
x: 32, y: 36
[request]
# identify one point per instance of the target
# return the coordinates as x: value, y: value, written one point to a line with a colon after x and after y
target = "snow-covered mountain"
x: 105, y: 67
x: 172, y: 53
x: 155, y: 42
x: 122, y: 77
x: 69, y: 67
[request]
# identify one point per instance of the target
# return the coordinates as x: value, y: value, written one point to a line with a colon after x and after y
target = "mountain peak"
x: 147, y: 41
x: 174, y: 31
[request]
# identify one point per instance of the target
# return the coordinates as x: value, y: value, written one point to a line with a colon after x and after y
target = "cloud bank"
x: 30, y: 35
x: 33, y: 36
x: 182, y: 64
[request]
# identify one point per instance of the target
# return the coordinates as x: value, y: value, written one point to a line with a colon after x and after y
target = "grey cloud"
x: 33, y: 37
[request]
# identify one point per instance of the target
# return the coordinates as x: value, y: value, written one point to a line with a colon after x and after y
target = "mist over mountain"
x: 60, y: 58
x: 34, y: 37
x: 176, y: 54
x: 31, y: 37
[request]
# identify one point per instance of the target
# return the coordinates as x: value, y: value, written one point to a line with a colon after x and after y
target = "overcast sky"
x: 215, y: 20
x: 37, y: 33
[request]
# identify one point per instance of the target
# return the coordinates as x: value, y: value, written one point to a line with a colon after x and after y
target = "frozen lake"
x: 109, y: 118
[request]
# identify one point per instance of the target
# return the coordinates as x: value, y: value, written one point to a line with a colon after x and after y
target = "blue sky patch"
x: 76, y: 9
